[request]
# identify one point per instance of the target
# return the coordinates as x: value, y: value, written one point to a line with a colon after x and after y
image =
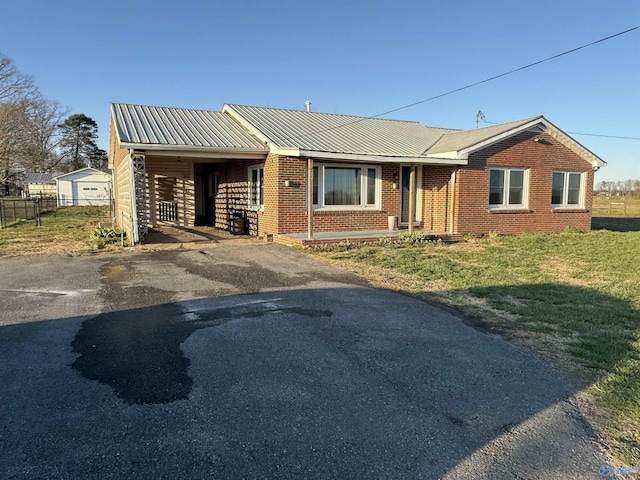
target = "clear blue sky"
x: 351, y: 57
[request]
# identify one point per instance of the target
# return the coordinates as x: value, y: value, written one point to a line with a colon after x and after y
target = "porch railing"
x: 168, y: 211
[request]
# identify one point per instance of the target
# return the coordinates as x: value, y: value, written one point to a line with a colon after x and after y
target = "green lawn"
x: 573, y: 297
x: 63, y: 231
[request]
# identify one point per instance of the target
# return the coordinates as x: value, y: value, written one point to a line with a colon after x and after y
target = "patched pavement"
x: 256, y: 361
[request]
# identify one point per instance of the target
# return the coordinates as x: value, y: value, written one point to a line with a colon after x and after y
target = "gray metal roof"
x: 459, y: 140
x: 39, y: 178
x: 180, y: 127
x: 244, y: 130
x: 327, y: 132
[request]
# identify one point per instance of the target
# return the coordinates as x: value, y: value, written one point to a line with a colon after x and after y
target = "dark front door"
x: 206, y: 189
x: 404, y: 197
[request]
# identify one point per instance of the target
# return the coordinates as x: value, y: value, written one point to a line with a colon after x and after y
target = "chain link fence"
x: 14, y: 210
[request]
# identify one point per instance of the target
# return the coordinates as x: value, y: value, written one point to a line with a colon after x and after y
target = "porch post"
x: 412, y: 196
x: 310, y: 198
x: 138, y: 195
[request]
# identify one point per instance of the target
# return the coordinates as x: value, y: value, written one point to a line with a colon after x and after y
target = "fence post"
x: 38, y: 207
x: 3, y: 222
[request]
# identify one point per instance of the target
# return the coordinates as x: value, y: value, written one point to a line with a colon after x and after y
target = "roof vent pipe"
x: 308, y: 104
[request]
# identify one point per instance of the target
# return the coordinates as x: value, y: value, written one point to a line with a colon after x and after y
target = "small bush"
x: 416, y: 237
x: 103, y: 236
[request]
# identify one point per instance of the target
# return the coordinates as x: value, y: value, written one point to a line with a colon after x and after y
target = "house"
x: 39, y: 185
x: 188, y: 167
x: 83, y: 187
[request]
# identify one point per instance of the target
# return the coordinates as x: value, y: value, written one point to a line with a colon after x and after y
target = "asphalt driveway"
x: 259, y: 362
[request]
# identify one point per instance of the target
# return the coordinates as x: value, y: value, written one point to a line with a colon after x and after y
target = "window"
x: 507, y: 188
x: 566, y: 190
x: 256, y: 186
x: 346, y: 186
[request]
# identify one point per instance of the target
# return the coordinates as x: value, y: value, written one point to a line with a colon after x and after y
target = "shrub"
x: 103, y: 236
x: 416, y: 237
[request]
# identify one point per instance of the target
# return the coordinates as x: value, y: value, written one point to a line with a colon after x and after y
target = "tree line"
x: 621, y: 188
x: 37, y: 135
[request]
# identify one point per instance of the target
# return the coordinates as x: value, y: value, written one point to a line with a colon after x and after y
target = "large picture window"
x: 507, y: 188
x: 256, y: 186
x: 567, y: 190
x: 336, y: 186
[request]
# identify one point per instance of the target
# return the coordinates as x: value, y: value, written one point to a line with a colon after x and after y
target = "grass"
x: 64, y: 231
x: 611, y: 206
x: 574, y: 297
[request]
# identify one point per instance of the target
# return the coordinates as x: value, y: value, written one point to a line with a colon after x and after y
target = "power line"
x: 582, y: 133
x: 472, y: 84
x: 605, y: 136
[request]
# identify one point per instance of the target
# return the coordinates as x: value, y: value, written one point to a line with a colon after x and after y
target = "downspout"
x: 452, y: 208
x: 134, y: 207
x: 412, y: 196
x: 309, y: 198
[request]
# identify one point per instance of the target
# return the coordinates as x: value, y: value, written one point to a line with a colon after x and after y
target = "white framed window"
x: 256, y: 186
x: 508, y: 187
x: 337, y: 186
x: 567, y: 190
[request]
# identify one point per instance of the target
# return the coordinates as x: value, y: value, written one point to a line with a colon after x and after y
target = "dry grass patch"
x: 64, y: 231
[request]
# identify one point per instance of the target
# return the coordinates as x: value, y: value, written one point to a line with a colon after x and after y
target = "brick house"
x: 260, y: 168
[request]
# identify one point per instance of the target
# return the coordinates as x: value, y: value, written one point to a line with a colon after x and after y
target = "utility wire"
x: 582, y: 133
x: 471, y: 84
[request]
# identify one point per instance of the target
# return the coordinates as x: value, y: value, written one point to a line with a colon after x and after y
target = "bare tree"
x: 42, y: 134
x: 13, y: 84
x: 12, y: 121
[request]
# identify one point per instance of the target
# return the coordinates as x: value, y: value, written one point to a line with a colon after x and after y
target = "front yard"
x: 574, y: 297
x: 66, y: 230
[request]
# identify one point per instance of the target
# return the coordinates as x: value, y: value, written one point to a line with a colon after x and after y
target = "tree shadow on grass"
x: 616, y: 224
x: 590, y: 334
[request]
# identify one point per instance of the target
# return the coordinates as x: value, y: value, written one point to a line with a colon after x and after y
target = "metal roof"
x: 246, y: 130
x: 327, y: 132
x: 459, y: 140
x: 39, y: 178
x: 141, y: 125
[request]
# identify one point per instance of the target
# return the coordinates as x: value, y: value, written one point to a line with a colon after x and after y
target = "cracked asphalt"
x: 256, y: 361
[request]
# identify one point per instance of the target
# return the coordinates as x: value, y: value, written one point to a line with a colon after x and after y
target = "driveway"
x: 259, y: 362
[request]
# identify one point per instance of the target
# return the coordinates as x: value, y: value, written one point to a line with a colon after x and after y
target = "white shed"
x: 86, y: 186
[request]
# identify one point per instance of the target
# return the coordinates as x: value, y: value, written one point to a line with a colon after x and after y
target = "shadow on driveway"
x: 344, y: 382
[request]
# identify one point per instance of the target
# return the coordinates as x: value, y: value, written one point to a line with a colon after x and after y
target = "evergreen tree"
x: 78, y: 141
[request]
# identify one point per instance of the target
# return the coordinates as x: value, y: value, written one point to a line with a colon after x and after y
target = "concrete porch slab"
x: 354, y: 236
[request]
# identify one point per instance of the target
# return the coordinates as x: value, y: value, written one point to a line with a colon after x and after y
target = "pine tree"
x: 78, y: 141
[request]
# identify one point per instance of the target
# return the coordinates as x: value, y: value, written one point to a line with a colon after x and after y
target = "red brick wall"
x: 233, y: 193
x: 541, y: 158
x: 285, y: 207
x: 436, y: 197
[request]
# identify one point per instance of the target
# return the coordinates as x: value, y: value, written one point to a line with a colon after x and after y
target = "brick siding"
x: 541, y: 158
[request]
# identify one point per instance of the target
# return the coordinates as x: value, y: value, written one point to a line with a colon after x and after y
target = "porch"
x: 356, y: 236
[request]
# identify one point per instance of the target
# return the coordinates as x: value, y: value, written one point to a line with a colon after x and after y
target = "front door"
x: 205, y: 190
x: 405, y: 171
x: 200, y: 200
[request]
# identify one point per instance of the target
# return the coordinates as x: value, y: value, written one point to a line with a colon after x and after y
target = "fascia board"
x: 189, y: 150
x: 248, y: 126
x: 573, y: 145
x: 498, y: 138
x: 351, y: 157
x: 285, y: 151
